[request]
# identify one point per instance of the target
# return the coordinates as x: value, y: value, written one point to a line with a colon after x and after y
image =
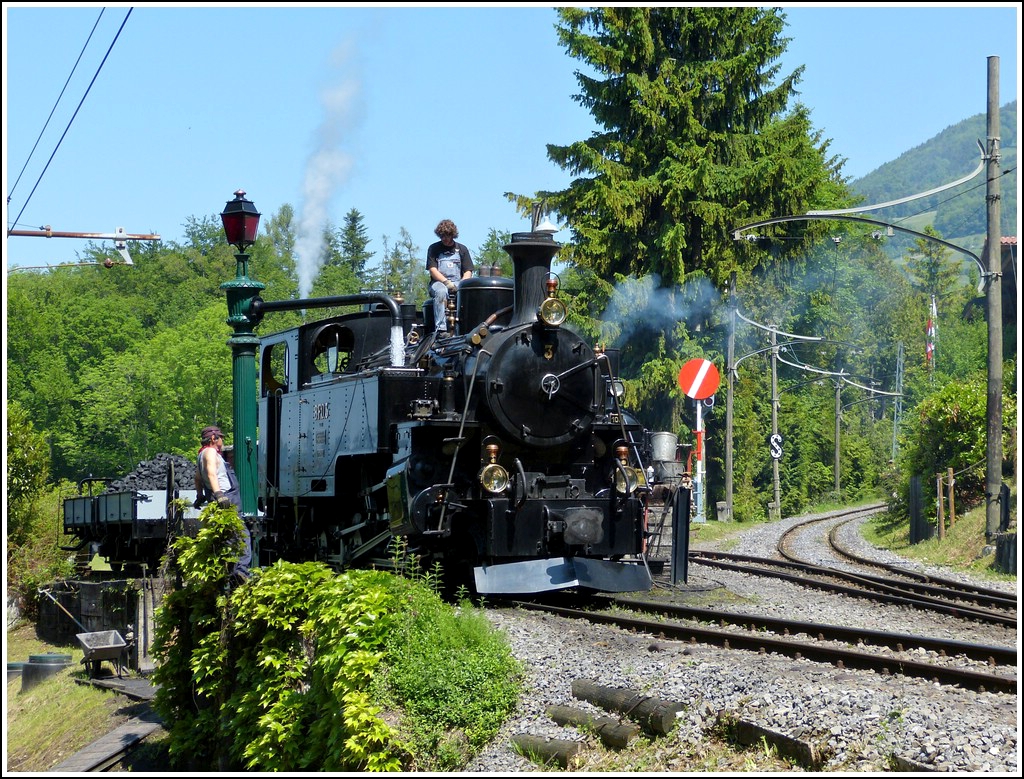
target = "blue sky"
x: 409, y: 113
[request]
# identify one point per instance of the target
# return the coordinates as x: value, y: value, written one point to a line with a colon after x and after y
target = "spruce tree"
x: 693, y: 140
x: 354, y: 242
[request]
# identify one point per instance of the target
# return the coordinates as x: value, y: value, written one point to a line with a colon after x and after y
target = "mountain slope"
x: 959, y: 214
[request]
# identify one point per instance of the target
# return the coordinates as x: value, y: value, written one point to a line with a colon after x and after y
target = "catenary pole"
x: 730, y: 367
x: 776, y: 492
x: 994, y: 410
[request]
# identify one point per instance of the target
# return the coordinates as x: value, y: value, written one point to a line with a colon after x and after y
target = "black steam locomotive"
x: 498, y: 449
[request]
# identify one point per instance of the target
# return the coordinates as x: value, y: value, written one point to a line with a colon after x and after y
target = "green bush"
x: 949, y: 429
x: 305, y: 669
x: 453, y: 677
x: 38, y: 560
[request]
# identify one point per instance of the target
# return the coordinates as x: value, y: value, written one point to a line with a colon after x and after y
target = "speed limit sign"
x: 775, y: 446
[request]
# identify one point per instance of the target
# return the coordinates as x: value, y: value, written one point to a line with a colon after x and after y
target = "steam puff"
x: 327, y: 170
x: 641, y: 305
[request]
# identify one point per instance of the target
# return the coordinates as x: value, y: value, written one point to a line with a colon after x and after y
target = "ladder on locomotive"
x: 656, y: 518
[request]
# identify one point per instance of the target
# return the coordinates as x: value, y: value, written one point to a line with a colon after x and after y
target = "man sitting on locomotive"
x: 448, y: 262
x: 216, y: 481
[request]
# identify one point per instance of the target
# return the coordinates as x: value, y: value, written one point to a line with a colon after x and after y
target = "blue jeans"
x: 439, y: 292
x: 245, y: 560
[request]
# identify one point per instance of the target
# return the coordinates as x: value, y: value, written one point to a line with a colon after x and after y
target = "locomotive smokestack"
x: 531, y: 261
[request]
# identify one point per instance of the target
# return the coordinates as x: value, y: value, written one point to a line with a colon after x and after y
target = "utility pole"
x: 777, y: 493
x: 730, y: 353
x: 994, y: 410
x: 733, y: 364
x: 897, y: 406
x: 839, y: 413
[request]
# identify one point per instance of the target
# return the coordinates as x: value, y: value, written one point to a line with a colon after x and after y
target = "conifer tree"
x: 932, y: 271
x: 354, y: 242
x: 692, y: 141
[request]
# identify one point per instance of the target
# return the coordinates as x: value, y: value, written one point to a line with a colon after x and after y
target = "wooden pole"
x: 653, y: 715
x: 547, y: 751
x: 994, y: 309
x: 952, y: 503
x: 613, y: 733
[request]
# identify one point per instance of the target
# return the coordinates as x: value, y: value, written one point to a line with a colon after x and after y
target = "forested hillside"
x: 959, y: 213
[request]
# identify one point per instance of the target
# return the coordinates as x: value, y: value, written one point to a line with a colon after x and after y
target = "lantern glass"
x: 241, y: 221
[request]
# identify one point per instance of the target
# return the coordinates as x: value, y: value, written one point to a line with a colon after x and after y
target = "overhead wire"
x: 56, y: 103
x: 71, y: 121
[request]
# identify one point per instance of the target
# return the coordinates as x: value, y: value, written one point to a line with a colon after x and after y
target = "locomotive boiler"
x: 498, y: 449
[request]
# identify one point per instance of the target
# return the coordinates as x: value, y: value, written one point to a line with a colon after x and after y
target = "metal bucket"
x: 663, y: 446
x: 40, y: 667
x: 668, y: 472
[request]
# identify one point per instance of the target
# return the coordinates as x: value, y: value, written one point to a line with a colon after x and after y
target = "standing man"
x: 448, y: 262
x: 217, y: 481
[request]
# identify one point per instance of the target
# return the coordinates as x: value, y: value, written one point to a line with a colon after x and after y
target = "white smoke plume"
x: 640, y: 305
x: 327, y: 170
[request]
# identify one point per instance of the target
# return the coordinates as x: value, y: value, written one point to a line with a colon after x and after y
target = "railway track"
x: 831, y: 570
x: 816, y: 647
x: 982, y: 595
x: 858, y: 585
x: 925, y: 587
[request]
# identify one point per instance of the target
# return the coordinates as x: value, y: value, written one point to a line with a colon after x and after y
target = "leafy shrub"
x: 37, y: 559
x: 304, y: 669
x: 453, y: 677
x: 949, y: 429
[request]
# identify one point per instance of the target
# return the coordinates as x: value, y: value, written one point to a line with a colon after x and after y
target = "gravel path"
x: 859, y: 720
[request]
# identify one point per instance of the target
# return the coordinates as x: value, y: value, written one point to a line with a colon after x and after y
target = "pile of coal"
x: 153, y: 475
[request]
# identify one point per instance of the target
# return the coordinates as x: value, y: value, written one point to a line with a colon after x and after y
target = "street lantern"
x: 241, y: 221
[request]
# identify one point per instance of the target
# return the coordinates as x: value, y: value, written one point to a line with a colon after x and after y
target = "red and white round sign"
x: 699, y: 379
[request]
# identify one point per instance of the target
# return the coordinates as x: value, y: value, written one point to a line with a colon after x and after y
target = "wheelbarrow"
x: 104, y: 645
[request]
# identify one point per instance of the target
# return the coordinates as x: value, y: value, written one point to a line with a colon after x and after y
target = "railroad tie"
x: 652, y: 714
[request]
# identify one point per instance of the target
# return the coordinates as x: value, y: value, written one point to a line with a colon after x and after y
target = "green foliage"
x: 451, y: 675
x: 191, y: 638
x: 492, y: 253
x: 402, y: 270
x: 693, y: 140
x: 354, y: 243
x: 949, y: 156
x: 35, y: 559
x: 931, y: 269
x: 948, y: 429
x: 28, y: 466
x: 303, y: 669
x: 310, y: 647
x: 34, y: 523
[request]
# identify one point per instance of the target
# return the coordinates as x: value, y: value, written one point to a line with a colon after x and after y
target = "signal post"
x: 699, y: 379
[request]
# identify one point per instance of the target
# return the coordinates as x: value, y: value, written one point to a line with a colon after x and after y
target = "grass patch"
x: 963, y: 548
x: 712, y: 754
x: 57, y: 717
x: 21, y: 642
x: 722, y: 534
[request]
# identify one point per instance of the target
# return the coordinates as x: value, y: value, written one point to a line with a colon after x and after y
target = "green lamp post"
x: 241, y: 221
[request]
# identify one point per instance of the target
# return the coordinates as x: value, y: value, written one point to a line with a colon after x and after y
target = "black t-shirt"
x: 453, y: 261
